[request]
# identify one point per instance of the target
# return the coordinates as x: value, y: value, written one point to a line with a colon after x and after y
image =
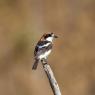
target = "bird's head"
x: 49, y: 37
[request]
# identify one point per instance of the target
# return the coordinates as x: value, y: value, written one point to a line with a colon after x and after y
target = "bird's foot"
x: 44, y: 61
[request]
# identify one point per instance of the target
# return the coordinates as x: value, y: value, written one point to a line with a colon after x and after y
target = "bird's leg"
x: 44, y: 61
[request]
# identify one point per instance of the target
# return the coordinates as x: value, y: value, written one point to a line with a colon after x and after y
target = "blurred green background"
x: 23, y: 22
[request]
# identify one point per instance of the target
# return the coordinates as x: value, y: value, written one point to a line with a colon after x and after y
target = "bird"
x: 43, y: 48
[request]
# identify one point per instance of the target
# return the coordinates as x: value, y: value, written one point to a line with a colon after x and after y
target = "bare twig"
x: 52, y: 80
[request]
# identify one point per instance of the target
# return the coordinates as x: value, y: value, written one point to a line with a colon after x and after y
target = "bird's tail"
x: 35, y: 64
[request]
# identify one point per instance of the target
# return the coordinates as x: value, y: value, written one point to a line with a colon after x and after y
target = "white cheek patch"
x: 45, y: 55
x: 49, y: 39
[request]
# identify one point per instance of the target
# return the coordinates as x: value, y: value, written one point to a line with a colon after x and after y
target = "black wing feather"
x: 39, y: 51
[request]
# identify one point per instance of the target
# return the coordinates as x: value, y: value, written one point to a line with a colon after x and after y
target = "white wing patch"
x: 44, y: 45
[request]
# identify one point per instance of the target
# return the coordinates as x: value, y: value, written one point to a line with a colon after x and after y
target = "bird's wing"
x: 42, y: 47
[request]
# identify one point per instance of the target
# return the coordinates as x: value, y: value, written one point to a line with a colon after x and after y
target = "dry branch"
x: 52, y: 80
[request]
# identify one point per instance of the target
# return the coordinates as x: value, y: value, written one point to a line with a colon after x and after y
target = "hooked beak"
x: 55, y: 36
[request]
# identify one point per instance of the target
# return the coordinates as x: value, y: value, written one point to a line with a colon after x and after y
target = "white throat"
x: 49, y: 39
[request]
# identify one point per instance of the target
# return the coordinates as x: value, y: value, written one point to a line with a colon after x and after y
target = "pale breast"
x: 45, y: 55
